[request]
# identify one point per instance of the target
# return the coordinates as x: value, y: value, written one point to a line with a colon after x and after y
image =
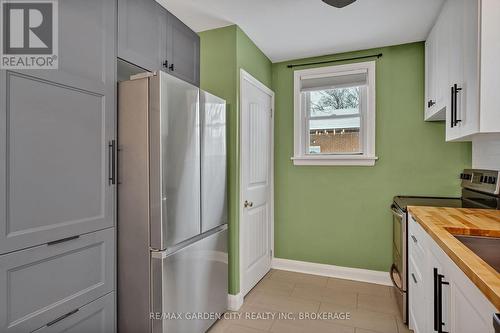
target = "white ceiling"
x: 293, y: 29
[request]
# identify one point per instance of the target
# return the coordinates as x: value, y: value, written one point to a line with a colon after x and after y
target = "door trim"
x: 245, y: 76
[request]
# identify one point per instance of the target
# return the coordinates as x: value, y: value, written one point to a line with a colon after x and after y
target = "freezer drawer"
x: 45, y: 282
x: 188, y: 282
x: 95, y: 317
x: 213, y: 161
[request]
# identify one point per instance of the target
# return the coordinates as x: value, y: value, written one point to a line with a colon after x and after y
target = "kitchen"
x: 188, y: 166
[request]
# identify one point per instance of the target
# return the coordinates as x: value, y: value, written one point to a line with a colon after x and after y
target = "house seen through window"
x: 334, y: 120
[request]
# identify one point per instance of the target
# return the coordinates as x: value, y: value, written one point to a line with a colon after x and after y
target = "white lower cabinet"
x: 441, y: 297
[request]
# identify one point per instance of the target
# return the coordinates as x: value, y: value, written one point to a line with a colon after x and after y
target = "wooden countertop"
x: 442, y: 223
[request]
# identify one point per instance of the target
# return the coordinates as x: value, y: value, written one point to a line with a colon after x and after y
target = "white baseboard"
x: 355, y: 274
x: 234, y: 302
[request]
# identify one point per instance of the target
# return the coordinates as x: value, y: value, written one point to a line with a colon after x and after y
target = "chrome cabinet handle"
x: 414, y: 278
x: 414, y: 239
x: 248, y: 204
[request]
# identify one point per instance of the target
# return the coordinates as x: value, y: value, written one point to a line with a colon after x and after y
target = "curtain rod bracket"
x: 337, y: 60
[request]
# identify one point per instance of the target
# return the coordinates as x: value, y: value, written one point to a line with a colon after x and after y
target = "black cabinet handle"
x: 171, y: 67
x: 452, y: 107
x: 457, y: 90
x: 67, y: 239
x: 112, y: 162
x: 438, y: 301
x: 454, y: 102
x: 414, y: 239
x: 62, y: 317
x: 430, y: 103
x: 165, y: 64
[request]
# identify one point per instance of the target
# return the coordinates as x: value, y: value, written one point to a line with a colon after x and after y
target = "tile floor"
x: 372, y: 308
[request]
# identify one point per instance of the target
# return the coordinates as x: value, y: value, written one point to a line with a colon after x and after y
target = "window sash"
x: 306, y: 111
x: 301, y: 133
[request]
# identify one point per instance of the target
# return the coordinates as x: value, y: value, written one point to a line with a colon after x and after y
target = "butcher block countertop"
x: 442, y: 223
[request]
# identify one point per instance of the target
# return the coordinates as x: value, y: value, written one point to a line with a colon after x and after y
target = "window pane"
x: 334, y: 102
x: 334, y: 121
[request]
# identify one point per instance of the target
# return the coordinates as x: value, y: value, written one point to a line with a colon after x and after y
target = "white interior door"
x: 256, y: 181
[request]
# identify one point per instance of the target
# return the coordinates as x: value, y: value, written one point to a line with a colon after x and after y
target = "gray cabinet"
x: 56, y: 126
x: 184, y: 52
x: 95, y: 317
x: 152, y: 38
x: 56, y: 171
x: 142, y: 27
x: 46, y: 282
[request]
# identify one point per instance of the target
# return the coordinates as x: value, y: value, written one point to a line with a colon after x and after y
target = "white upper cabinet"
x: 462, y: 70
x: 436, y: 69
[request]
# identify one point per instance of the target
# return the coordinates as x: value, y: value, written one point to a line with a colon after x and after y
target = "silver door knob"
x: 247, y: 204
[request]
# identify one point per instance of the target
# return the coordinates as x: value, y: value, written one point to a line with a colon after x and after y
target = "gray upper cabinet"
x: 152, y: 38
x: 56, y: 126
x: 141, y: 33
x: 184, y: 52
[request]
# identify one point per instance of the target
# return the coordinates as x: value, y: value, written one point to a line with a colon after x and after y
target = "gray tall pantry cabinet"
x: 57, y: 202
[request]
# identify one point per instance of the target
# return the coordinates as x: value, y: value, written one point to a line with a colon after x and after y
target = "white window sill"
x: 347, y: 160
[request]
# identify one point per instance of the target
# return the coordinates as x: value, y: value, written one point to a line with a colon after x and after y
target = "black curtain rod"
x: 337, y: 60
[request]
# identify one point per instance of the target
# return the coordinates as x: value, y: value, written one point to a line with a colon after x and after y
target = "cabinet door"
x: 48, y: 281
x: 95, y: 317
x: 438, y: 289
x: 140, y: 30
x: 430, y: 74
x: 183, y: 49
x: 55, y: 127
x: 468, y: 111
x: 416, y: 293
x: 466, y: 315
x: 456, y: 68
x: 443, y: 27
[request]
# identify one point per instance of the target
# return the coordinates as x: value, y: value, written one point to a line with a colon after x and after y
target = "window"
x: 334, y: 115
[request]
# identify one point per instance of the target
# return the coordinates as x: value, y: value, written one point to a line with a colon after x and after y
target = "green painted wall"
x: 223, y: 52
x: 340, y: 215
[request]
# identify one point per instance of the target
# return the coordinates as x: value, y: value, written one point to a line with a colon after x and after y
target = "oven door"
x: 398, y: 269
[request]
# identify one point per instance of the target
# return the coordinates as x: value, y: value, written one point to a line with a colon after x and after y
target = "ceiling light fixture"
x: 339, y: 3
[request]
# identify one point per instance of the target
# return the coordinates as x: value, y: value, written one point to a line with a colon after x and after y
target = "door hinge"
x: 271, y: 253
x: 271, y: 112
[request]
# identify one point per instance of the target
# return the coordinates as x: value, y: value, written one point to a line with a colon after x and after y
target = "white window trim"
x: 300, y: 136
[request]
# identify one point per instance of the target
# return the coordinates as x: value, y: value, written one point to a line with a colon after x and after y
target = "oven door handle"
x: 396, y: 212
x: 394, y: 269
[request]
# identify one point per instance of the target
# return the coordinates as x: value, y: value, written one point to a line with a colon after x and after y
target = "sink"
x: 486, y: 248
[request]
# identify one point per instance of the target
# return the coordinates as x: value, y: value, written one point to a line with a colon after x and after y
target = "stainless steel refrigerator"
x: 172, y: 220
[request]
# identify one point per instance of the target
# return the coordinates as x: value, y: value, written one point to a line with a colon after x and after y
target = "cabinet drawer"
x: 95, y: 317
x: 416, y: 294
x: 416, y: 241
x: 45, y: 282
